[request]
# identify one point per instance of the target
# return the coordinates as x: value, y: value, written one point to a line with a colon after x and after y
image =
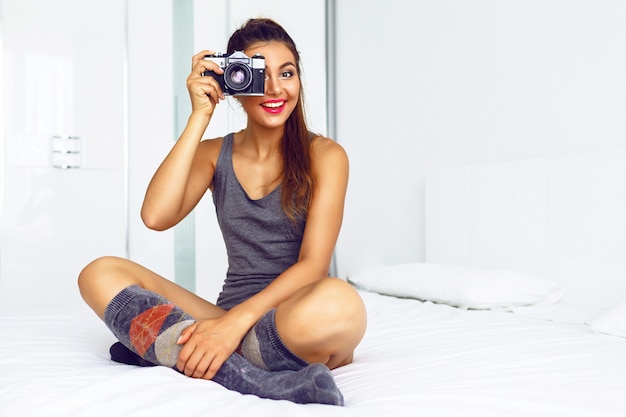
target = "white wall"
x: 151, y: 122
x: 557, y: 216
x: 63, y: 75
x: 429, y: 84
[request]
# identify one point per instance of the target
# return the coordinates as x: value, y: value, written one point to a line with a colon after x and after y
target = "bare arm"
x: 187, y: 171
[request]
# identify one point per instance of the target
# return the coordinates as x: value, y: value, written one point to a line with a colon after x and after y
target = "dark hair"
x: 297, y: 178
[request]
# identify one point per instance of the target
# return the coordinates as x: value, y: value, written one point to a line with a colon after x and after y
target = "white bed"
x: 417, y: 358
x: 507, y: 337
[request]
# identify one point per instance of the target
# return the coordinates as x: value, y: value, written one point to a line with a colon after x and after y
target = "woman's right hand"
x: 205, y: 92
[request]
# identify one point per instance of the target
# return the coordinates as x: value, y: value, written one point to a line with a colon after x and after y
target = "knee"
x: 335, y: 305
x: 344, y: 303
x: 95, y: 272
x: 346, y: 321
x: 101, y: 280
x: 338, y: 298
x: 323, y: 322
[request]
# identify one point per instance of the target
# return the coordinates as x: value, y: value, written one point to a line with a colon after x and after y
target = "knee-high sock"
x: 150, y: 325
x: 147, y: 324
x: 264, y: 348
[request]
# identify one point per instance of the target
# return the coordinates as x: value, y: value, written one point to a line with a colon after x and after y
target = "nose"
x: 272, y: 85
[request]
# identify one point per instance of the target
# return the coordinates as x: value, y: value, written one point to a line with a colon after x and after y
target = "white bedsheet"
x: 417, y: 359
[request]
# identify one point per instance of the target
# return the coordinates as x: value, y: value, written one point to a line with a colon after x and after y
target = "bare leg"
x: 105, y: 277
x: 323, y: 322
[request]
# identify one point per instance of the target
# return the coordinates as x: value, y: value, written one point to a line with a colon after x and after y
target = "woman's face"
x: 282, y: 86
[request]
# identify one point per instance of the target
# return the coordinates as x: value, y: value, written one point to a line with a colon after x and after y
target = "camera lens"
x: 237, y: 77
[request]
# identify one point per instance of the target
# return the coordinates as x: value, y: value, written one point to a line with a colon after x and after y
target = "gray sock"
x: 147, y: 324
x: 312, y: 384
x: 264, y: 348
x: 150, y: 325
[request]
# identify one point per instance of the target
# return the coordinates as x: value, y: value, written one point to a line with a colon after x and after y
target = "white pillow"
x: 612, y: 322
x: 464, y: 287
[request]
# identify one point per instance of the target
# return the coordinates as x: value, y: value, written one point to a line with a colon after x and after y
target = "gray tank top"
x: 261, y: 241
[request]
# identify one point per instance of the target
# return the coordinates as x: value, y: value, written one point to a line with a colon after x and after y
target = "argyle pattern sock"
x: 263, y: 347
x: 149, y: 325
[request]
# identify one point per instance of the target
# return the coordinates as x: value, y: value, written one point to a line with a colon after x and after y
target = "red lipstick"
x: 273, y: 106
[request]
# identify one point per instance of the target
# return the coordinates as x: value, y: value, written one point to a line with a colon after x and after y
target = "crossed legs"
x: 321, y: 323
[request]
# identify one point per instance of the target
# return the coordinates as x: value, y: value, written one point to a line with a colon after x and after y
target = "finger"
x: 201, y: 87
x: 207, y: 86
x: 204, y: 73
x: 206, y: 64
x: 202, y: 366
x: 214, y: 367
x: 212, y: 93
x: 200, y: 56
x: 184, y: 355
x: 192, y: 363
x: 186, y: 334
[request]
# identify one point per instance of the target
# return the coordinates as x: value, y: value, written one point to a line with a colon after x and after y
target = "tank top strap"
x: 225, y: 158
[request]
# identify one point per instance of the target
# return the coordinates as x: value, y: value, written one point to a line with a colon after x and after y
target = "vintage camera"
x: 243, y: 75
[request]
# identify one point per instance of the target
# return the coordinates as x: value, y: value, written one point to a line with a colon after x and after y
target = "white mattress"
x: 416, y: 359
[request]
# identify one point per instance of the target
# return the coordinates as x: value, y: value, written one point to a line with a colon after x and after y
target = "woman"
x: 280, y: 322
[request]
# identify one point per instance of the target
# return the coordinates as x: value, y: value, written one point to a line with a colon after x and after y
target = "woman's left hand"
x: 208, y: 343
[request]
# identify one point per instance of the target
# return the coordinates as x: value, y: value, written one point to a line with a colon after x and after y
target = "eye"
x: 286, y: 74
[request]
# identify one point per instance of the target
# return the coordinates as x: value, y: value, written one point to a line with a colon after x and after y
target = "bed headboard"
x: 563, y: 217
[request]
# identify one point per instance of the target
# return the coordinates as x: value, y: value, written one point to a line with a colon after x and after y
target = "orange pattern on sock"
x: 145, y: 328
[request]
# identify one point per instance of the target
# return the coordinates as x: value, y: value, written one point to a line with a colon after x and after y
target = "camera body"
x: 243, y: 75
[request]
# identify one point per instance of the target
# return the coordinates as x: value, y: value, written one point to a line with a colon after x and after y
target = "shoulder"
x: 209, y: 149
x: 327, y: 156
x: 323, y: 149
